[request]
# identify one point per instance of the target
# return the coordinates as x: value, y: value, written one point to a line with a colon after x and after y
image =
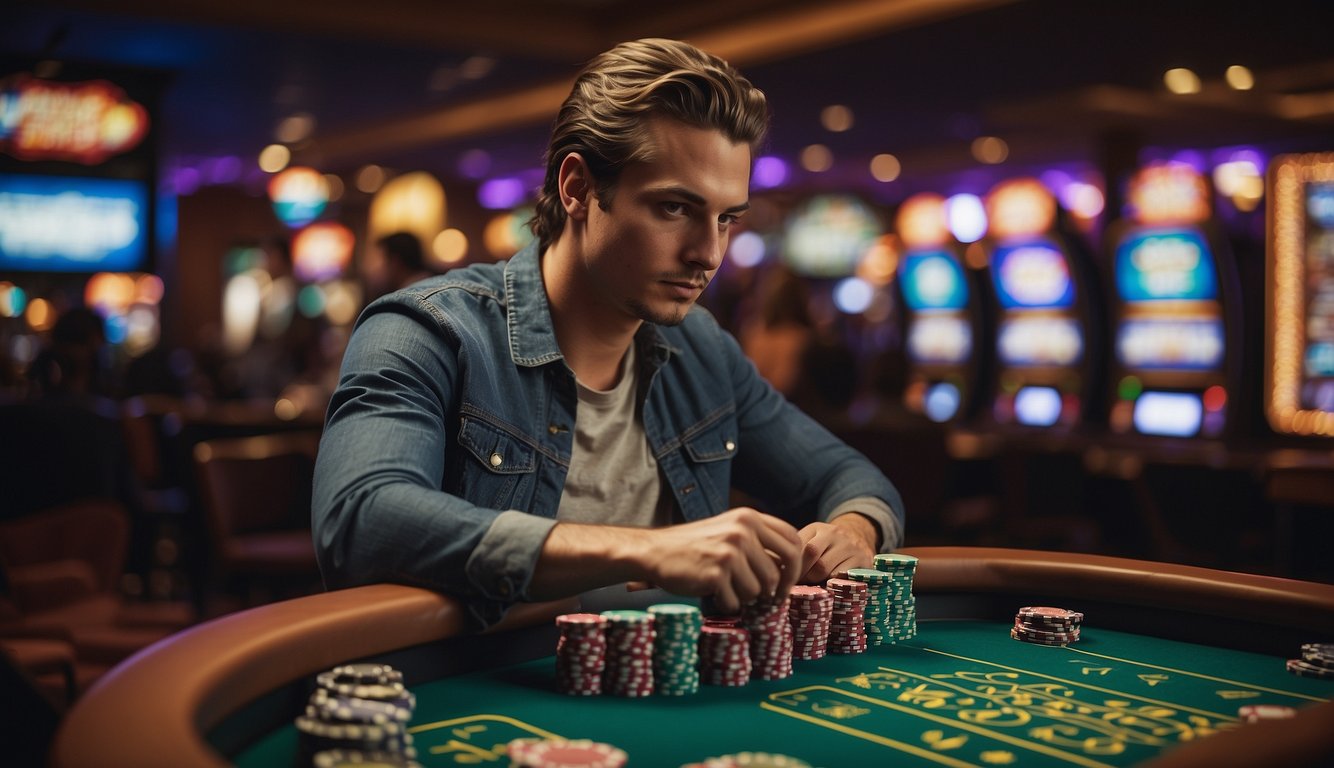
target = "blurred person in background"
x: 395, y: 261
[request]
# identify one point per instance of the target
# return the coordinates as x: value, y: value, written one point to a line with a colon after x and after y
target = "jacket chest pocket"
x: 709, y: 454
x: 495, y: 465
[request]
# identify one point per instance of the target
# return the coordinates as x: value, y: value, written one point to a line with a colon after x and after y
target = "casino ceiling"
x: 424, y: 84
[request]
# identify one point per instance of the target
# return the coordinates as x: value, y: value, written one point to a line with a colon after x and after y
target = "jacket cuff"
x: 501, y: 565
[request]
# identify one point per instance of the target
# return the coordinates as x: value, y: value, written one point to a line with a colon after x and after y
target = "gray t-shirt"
x: 613, y: 478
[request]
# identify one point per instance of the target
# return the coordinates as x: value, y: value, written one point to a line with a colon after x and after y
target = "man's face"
x: 664, y: 233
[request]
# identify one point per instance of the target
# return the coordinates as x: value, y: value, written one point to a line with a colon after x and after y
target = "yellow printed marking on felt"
x: 875, y: 738
x: 1169, y: 705
x: 1196, y: 674
x: 521, y: 725
x: 964, y: 725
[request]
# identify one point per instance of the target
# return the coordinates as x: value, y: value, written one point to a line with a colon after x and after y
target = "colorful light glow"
x: 746, y: 250
x: 500, y: 194
x: 853, y: 295
x: 299, y: 195
x: 414, y: 202
x: 966, y: 216
x: 769, y: 172
x: 450, y: 247
x: 75, y: 122
x: 322, y: 251
x: 921, y: 221
x: 1021, y: 206
x: 1169, y: 193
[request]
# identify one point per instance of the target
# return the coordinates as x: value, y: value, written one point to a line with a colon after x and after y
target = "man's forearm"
x: 861, y: 526
x: 576, y: 558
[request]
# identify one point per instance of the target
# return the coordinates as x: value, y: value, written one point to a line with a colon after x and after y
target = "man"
x: 567, y: 421
x: 395, y: 261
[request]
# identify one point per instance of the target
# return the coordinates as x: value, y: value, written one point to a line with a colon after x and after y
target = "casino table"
x: 1168, y: 655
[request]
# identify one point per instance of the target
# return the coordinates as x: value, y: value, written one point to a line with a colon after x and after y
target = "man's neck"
x: 592, y: 337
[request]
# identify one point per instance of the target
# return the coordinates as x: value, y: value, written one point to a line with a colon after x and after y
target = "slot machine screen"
x: 63, y: 224
x: 1317, y: 392
x: 935, y: 288
x: 1169, y: 284
x: 1037, y: 406
x: 1034, y: 286
x: 1169, y: 414
x: 1032, y: 276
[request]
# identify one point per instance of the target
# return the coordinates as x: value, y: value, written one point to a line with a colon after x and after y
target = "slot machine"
x: 943, y: 326
x: 1299, y: 307
x: 1175, y: 312
x: 1045, y: 356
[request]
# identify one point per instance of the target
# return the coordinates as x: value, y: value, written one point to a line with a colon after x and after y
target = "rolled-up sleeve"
x: 378, y: 514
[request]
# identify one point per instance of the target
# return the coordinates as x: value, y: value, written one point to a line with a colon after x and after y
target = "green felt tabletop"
x: 962, y: 693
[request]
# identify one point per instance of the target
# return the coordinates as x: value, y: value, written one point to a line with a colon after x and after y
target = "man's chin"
x: 667, y: 316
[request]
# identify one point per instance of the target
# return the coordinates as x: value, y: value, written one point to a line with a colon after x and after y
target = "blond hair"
x: 603, y: 119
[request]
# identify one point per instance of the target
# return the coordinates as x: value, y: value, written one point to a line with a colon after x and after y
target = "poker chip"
x: 629, y: 662
x: 810, y: 611
x: 581, y: 653
x: 357, y: 714
x: 724, y: 656
x: 1319, y: 655
x: 677, y: 630
x: 1045, y: 625
x: 890, y: 614
x: 563, y: 753
x: 750, y: 760
x: 1303, y: 668
x: 766, y: 619
x: 340, y: 758
x: 847, y: 625
x: 1254, y: 713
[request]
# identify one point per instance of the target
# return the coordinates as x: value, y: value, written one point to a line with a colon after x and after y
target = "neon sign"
x: 78, y: 122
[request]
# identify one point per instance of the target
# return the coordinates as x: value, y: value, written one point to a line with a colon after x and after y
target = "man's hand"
x: 734, y: 557
x: 850, y: 541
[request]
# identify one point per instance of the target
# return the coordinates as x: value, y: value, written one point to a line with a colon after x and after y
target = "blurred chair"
x: 256, y: 495
x: 61, y: 568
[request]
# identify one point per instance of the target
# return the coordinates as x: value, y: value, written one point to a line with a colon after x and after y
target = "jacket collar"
x: 531, y: 334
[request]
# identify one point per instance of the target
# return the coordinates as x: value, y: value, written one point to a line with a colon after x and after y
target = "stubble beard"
x: 649, y: 315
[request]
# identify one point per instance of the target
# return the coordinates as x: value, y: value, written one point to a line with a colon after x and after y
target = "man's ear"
x: 575, y: 184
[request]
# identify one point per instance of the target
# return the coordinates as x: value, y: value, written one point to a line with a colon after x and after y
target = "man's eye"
x: 728, y: 219
x: 672, y: 208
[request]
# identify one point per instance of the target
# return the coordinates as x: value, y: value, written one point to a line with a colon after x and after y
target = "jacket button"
x: 496, y: 460
x: 729, y: 445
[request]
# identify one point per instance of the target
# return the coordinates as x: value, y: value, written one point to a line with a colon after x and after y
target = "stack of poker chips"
x: 847, y: 624
x: 676, y: 648
x: 770, y: 637
x: 629, y: 670
x: 809, y: 614
x: 902, y: 619
x: 724, y: 654
x: 581, y: 653
x: 1046, y: 626
x: 1317, y: 661
x: 357, y: 711
x: 563, y: 753
x: 878, y: 612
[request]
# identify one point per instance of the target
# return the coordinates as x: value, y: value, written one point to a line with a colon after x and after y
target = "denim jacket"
x: 448, y: 439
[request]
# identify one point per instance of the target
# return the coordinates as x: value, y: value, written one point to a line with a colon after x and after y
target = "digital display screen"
x: 1040, y: 341
x: 1318, y: 356
x: 60, y: 224
x: 1194, y: 344
x: 933, y: 280
x: 940, y: 338
x: 1032, y: 275
x: 1169, y: 414
x: 1165, y: 264
x: 1037, y: 406
x: 828, y: 235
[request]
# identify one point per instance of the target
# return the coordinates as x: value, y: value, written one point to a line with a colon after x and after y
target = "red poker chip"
x: 1254, y: 713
